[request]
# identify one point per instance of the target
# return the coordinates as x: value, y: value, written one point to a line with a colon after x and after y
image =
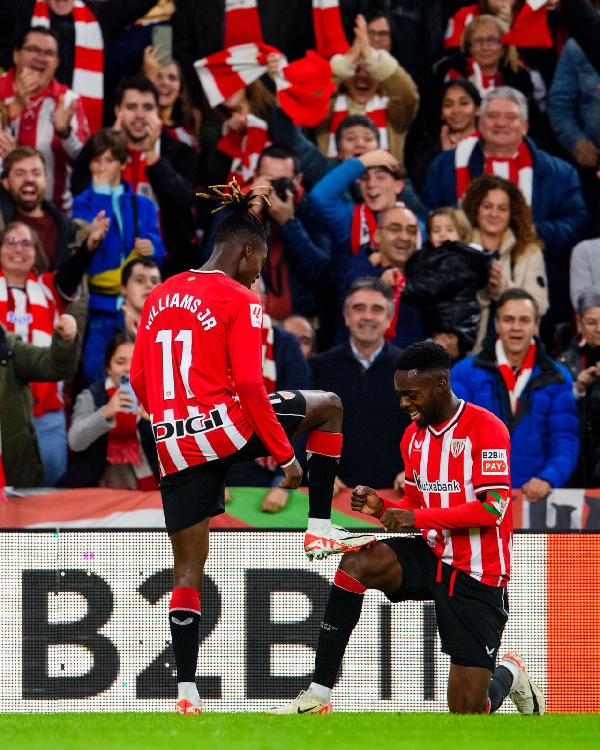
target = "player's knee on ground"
x: 467, y: 699
x: 369, y: 566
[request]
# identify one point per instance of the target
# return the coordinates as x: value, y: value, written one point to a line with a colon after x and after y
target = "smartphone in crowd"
x: 126, y: 386
x: 162, y: 36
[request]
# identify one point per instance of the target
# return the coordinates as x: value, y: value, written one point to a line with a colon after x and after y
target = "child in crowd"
x: 445, y: 279
x: 110, y: 434
x: 133, y: 229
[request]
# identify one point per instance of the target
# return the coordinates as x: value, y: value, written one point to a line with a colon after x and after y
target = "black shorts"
x: 470, y: 615
x: 198, y: 492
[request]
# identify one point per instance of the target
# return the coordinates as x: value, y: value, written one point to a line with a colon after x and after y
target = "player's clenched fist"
x: 395, y: 519
x: 66, y: 327
x: 365, y: 500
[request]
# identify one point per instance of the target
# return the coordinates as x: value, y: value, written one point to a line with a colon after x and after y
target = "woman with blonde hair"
x: 502, y: 223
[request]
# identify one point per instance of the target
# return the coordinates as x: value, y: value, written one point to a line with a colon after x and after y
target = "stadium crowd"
x: 432, y: 173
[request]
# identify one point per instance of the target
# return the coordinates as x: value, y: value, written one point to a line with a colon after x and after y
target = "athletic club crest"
x: 457, y: 447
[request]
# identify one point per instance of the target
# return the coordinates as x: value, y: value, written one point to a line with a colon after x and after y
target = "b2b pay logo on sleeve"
x: 494, y: 462
x: 256, y: 316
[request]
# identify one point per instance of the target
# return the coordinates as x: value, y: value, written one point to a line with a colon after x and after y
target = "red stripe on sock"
x: 488, y: 706
x: 184, y: 597
x: 325, y: 443
x: 344, y: 581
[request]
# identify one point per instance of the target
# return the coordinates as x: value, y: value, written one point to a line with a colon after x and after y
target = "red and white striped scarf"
x: 482, y: 83
x: 35, y: 127
x: 124, y: 445
x: 245, y: 148
x: 32, y: 316
x: 88, y: 74
x: 364, y: 226
x: 304, y: 86
x: 375, y: 109
x: 518, y: 169
x: 515, y: 382
x: 242, y: 24
x: 135, y: 174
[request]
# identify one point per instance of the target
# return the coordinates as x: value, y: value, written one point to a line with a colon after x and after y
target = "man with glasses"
x: 43, y: 113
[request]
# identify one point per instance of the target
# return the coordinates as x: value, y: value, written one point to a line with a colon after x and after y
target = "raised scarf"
x: 88, y: 73
x: 515, y: 381
x: 245, y: 148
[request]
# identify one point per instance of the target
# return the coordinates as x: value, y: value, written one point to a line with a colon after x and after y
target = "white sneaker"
x: 306, y: 703
x: 525, y: 694
x: 335, y: 542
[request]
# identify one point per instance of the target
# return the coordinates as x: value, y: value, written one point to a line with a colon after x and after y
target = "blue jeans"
x: 51, y: 429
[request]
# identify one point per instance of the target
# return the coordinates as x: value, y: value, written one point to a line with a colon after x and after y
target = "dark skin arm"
x: 366, y: 500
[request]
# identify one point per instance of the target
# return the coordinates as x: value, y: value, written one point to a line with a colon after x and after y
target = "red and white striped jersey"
x: 197, y: 370
x: 449, y: 465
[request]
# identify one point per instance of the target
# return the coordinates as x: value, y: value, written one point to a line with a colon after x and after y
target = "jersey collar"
x: 439, y: 430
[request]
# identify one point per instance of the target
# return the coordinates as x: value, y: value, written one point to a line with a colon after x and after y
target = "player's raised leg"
x: 190, y: 550
x: 373, y: 568
x: 323, y: 422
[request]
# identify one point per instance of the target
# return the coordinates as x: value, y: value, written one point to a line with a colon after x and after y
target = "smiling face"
x: 361, y: 86
x: 493, y: 214
x: 443, y: 228
x: 397, y: 236
x: 367, y: 316
x: 17, y: 254
x: 516, y: 324
x: 168, y: 83
x: 459, y: 111
x: 27, y: 183
x: 39, y: 55
x: 380, y: 34
x: 486, y: 46
x: 501, y: 126
x: 379, y: 188
x: 134, y: 111
x: 422, y: 395
x: 139, y: 285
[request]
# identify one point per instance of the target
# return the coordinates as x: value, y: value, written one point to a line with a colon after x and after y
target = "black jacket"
x: 444, y: 284
x: 588, y: 470
x: 173, y: 180
x: 373, y: 421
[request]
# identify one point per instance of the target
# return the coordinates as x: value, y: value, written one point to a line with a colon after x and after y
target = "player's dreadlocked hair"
x: 241, y: 223
x: 424, y: 356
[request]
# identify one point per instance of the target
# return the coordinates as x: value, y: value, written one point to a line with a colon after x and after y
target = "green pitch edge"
x: 246, y: 501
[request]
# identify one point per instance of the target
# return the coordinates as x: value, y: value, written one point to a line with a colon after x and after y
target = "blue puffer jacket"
x: 544, y: 431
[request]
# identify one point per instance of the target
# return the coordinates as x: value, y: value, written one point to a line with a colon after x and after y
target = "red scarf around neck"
x: 515, y: 381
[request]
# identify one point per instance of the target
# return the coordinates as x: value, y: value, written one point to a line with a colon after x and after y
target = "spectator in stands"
x: 43, y: 112
x: 582, y: 359
x: 501, y: 221
x: 361, y: 372
x: 110, y: 433
x: 31, y: 302
x: 133, y: 229
x: 515, y: 379
x: 138, y: 279
x: 585, y: 268
x: 444, y: 280
x: 302, y: 329
x: 370, y: 82
x: 22, y: 198
x: 459, y: 110
x: 574, y: 111
x: 20, y: 364
x: 396, y: 238
x: 549, y: 185
x: 174, y: 106
x: 158, y: 167
x: 583, y: 22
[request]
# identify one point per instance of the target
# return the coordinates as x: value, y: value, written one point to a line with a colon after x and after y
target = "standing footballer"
x: 457, y: 459
x: 197, y: 370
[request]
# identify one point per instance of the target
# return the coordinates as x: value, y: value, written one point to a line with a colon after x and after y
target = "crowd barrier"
x: 84, y: 625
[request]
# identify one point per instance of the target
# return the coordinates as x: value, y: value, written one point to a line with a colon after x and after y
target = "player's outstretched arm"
x: 365, y: 500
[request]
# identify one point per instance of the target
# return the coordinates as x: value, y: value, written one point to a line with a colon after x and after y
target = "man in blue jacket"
x: 550, y: 186
x: 515, y: 379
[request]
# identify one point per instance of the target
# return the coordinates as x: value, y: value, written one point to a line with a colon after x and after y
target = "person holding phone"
x: 110, y: 433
